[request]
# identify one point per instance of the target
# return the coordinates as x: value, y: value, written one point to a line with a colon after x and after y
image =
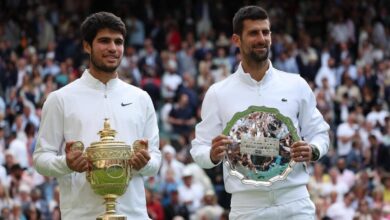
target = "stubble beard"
x: 259, y: 57
x: 103, y: 68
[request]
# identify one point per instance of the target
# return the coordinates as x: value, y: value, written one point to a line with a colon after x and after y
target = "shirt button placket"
x: 258, y: 90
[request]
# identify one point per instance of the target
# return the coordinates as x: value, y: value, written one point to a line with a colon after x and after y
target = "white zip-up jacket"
x: 76, y: 112
x: 289, y: 93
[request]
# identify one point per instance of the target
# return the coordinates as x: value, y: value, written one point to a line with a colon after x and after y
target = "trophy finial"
x: 107, y: 134
x: 107, y: 124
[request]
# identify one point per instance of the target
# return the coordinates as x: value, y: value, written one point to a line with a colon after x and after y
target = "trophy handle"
x: 136, y: 147
x: 77, y: 145
x: 139, y: 144
x: 88, y: 176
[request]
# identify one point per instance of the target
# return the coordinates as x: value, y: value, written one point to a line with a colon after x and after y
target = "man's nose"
x: 261, y: 38
x: 112, y: 46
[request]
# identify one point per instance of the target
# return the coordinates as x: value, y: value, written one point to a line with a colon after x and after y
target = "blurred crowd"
x: 175, y: 50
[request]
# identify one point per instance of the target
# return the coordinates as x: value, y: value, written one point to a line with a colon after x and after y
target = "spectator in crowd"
x: 351, y: 89
x: 377, y: 154
x: 355, y: 158
x: 175, y: 208
x: 182, y: 117
x: 343, y: 209
x: 186, y: 59
x: 307, y: 59
x: 136, y: 30
x: 328, y: 72
x: 363, y: 211
x: 317, y: 180
x: 19, y: 179
x: 17, y: 212
x: 171, y: 164
x: 170, y: 80
x: 190, y: 193
x: 334, y: 185
x: 210, y: 209
x: 40, y: 203
x: 346, y: 68
x: 154, y: 207
x: 5, y: 199
x: 346, y: 132
x: 345, y: 175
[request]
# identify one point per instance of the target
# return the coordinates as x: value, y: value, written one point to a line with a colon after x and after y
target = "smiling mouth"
x: 111, y: 58
x: 260, y: 49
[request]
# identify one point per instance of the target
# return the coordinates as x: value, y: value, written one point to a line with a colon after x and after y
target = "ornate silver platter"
x: 260, y: 152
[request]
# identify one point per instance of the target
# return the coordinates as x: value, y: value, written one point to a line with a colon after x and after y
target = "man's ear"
x: 236, y: 40
x: 87, y: 47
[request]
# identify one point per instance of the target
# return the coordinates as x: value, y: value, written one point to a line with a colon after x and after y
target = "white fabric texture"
x: 281, y: 212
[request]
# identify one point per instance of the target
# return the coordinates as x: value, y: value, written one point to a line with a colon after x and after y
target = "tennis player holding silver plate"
x: 262, y: 124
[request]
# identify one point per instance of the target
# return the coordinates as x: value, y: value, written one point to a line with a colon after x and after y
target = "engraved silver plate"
x: 260, y: 152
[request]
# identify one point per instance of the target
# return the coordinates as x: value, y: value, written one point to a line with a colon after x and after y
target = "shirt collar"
x: 94, y: 83
x: 246, y: 77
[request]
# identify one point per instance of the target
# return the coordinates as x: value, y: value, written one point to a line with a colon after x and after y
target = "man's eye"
x: 104, y: 41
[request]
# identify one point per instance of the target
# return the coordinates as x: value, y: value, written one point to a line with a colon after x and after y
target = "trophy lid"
x: 107, y: 137
x: 107, y: 134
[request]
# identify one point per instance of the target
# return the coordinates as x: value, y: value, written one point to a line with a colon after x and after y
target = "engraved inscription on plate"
x: 267, y: 147
x: 260, y: 153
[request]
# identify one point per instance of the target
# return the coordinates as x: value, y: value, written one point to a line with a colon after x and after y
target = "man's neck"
x: 256, y: 69
x: 103, y: 77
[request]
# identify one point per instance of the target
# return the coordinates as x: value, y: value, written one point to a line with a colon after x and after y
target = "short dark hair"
x: 100, y: 20
x: 16, y: 167
x: 247, y: 12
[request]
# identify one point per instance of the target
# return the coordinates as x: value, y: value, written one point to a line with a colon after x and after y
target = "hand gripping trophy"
x: 110, y: 169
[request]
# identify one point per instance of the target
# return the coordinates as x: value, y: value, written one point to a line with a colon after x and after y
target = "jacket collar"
x: 94, y: 83
x: 246, y: 77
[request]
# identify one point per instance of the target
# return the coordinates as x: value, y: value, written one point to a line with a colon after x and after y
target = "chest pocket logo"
x: 126, y: 104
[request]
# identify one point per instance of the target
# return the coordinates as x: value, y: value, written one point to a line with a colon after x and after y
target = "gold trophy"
x: 110, y: 171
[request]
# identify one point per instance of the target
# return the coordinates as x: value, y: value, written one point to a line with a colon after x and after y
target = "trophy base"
x: 111, y: 217
x: 110, y: 214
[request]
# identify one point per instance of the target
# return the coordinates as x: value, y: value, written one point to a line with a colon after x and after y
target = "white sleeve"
x: 151, y: 133
x: 206, y: 130
x: 48, y: 156
x: 312, y: 125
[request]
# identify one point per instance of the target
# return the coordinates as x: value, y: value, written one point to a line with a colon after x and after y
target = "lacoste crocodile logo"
x: 126, y: 104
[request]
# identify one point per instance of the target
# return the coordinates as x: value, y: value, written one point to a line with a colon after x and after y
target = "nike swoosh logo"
x: 126, y: 104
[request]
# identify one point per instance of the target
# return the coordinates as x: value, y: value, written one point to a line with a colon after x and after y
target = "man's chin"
x: 260, y: 58
x: 107, y: 69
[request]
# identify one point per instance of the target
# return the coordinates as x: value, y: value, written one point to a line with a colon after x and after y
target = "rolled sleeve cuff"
x: 202, y: 158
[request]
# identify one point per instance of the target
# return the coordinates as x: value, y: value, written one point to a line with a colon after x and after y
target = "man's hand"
x: 301, y: 152
x: 141, y: 154
x: 75, y: 159
x: 218, y: 148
